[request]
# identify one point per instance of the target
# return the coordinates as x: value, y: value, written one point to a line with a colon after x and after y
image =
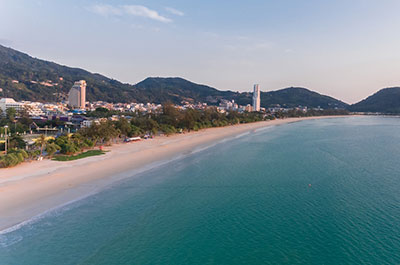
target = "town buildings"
x: 73, y: 116
x: 34, y: 109
x: 229, y: 105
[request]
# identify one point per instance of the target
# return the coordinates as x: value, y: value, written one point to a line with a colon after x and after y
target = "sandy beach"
x: 33, y: 188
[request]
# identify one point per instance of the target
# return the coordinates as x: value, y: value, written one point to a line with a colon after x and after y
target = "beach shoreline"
x: 32, y: 189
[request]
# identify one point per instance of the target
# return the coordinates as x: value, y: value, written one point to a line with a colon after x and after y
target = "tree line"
x: 169, y: 120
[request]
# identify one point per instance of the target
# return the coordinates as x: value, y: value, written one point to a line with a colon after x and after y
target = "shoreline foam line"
x: 25, y: 193
x: 115, y: 180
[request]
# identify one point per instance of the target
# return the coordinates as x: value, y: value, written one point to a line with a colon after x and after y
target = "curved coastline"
x: 34, y: 189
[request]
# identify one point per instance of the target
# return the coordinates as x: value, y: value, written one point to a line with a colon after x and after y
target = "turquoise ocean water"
x: 244, y: 201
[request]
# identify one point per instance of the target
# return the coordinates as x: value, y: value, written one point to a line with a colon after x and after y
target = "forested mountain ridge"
x: 34, y: 75
x: 386, y: 100
x: 23, y: 77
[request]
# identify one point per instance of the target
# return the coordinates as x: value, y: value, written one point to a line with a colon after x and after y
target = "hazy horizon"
x: 344, y: 50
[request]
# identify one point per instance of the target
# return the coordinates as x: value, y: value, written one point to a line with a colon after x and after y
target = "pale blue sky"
x: 347, y: 48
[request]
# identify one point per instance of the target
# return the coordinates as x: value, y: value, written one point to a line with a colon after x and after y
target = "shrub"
x: 13, y: 158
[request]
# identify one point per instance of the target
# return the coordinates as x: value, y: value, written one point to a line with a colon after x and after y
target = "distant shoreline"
x: 32, y: 189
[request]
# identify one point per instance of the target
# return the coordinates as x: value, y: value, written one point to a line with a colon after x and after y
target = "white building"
x: 77, y: 95
x: 228, y: 105
x: 33, y: 108
x: 256, y: 98
x: 6, y: 103
x: 86, y: 123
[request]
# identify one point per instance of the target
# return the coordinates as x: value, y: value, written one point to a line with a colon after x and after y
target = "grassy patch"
x: 82, y: 155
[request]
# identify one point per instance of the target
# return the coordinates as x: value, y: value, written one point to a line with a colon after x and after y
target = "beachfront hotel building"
x: 77, y: 95
x: 7, y: 103
x: 256, y: 98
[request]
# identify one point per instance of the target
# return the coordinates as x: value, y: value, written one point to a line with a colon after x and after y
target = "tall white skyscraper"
x: 77, y: 95
x: 256, y: 98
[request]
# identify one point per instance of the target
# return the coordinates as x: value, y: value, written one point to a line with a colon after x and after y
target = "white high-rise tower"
x: 256, y: 98
x: 77, y: 95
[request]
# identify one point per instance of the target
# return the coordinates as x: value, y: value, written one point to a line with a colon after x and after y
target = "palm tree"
x: 41, y: 142
x: 51, y: 149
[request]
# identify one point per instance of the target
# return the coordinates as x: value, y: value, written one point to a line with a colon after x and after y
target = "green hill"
x: 386, y: 100
x: 30, y: 72
x: 295, y: 96
x: 40, y: 80
x: 175, y: 89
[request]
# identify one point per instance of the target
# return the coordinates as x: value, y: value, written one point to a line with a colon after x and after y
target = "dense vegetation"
x: 169, y: 121
x: 13, y: 158
x: 9, y: 119
x: 15, y: 65
x: 384, y: 101
x: 311, y: 113
x: 105, y: 131
x: 297, y: 96
x: 172, y: 120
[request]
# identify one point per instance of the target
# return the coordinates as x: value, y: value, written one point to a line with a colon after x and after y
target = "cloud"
x: 142, y: 11
x: 132, y: 10
x: 106, y: 10
x: 174, y: 11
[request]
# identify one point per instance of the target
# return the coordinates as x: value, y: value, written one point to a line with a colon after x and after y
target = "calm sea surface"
x: 244, y: 201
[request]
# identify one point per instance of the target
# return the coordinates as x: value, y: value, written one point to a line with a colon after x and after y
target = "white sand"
x: 33, y: 188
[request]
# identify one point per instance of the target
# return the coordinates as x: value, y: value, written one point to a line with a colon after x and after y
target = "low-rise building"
x: 33, y: 108
x: 86, y: 123
x: 7, y: 103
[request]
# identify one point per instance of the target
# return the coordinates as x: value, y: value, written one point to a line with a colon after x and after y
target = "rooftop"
x: 7, y: 100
